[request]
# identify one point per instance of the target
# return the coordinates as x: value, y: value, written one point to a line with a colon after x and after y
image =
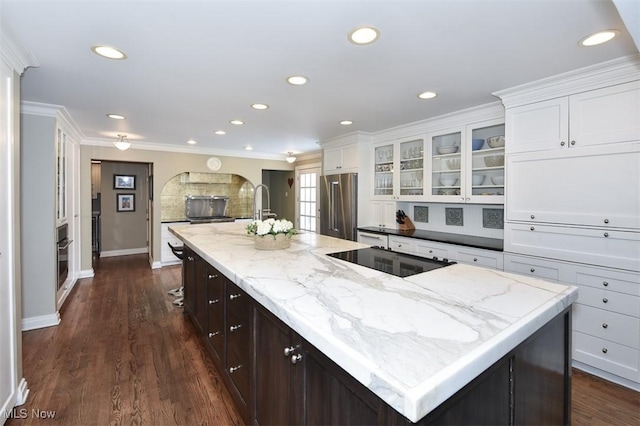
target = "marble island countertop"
x: 413, y: 341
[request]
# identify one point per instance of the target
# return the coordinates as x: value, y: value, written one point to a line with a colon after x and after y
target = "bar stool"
x: 178, y: 292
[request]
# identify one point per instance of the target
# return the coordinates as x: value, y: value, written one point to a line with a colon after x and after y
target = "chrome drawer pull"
x: 213, y: 302
x: 533, y: 270
x: 533, y: 216
x: 606, y: 284
x: 532, y: 228
x: 475, y: 259
x: 289, y: 351
x: 234, y: 296
x: 212, y: 276
x: 606, y: 234
x: 605, y: 325
x: 296, y: 358
x: 234, y: 369
x: 606, y: 221
x: 213, y: 334
x: 604, y: 350
x: 605, y: 300
x: 234, y: 327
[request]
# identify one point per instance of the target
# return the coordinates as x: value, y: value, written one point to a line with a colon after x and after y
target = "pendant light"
x: 290, y: 158
x: 122, y: 143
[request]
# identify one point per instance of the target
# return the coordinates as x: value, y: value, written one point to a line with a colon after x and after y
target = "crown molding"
x: 609, y: 73
x: 58, y: 112
x: 13, y: 51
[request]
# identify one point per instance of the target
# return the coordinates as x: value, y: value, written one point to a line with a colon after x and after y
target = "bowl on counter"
x: 497, y: 180
x: 448, y: 181
x: 476, y: 144
x: 495, y: 141
x: 494, y: 160
x: 447, y: 149
x: 477, y: 180
x: 453, y: 164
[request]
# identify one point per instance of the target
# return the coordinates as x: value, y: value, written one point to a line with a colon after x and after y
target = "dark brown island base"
x: 278, y: 378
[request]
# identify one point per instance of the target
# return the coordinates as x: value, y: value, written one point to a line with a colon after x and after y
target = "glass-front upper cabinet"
x: 447, y: 166
x: 61, y: 176
x: 486, y: 163
x: 412, y: 168
x: 383, y: 171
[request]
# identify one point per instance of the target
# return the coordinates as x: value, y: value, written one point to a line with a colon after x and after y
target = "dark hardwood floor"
x: 123, y: 354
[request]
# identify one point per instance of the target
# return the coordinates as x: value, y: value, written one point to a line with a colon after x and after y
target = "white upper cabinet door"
x: 342, y: 159
x: 536, y: 127
x: 593, y: 186
x: 605, y: 116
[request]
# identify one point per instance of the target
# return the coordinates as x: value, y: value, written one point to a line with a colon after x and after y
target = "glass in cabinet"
x: 486, y: 164
x: 412, y: 167
x: 383, y: 174
x: 447, y: 165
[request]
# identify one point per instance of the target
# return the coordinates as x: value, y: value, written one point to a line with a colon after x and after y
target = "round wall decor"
x: 214, y: 163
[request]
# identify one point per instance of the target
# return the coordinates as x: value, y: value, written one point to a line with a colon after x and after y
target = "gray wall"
x: 38, y: 228
x: 282, y: 197
x: 123, y: 230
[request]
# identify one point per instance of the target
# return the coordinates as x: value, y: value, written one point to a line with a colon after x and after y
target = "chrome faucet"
x: 257, y: 214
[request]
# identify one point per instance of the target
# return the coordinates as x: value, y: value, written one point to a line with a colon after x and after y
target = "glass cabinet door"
x: 383, y: 172
x: 412, y: 168
x: 447, y: 166
x: 487, y: 164
x: 61, y: 175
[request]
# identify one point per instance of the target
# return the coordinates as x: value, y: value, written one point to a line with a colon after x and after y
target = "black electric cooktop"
x: 399, y: 264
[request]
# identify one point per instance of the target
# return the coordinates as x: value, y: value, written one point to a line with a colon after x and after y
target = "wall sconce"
x: 122, y: 143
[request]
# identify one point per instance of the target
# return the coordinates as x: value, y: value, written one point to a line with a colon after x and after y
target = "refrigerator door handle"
x: 333, y: 217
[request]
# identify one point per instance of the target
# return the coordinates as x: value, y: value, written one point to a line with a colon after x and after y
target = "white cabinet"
x: 61, y: 175
x: 474, y: 171
x: 480, y: 257
x: 384, y: 214
x: 399, y: 170
x: 602, y: 116
x: 341, y: 159
x: 532, y: 266
x: 605, y: 247
x: 373, y: 239
x: 430, y: 249
x: 401, y: 244
x: 166, y: 255
x: 593, y: 186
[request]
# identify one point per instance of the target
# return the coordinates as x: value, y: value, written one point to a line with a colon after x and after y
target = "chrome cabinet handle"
x: 605, y: 283
x: 573, y: 143
x: 533, y: 216
x: 214, y: 301
x: 234, y: 296
x: 475, y: 259
x: 606, y: 221
x: 296, y: 358
x: 234, y: 327
x: 213, y: 334
x: 606, y: 234
x: 191, y: 258
x: 605, y: 300
x: 562, y: 143
x: 212, y: 276
x: 532, y: 228
x: 234, y: 369
x: 604, y: 350
x: 605, y: 325
x: 289, y: 351
x: 533, y: 270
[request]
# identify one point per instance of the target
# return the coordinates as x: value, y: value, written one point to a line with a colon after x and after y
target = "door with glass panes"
x: 307, y: 208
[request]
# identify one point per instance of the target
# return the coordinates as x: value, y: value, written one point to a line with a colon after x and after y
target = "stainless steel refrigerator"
x: 339, y: 205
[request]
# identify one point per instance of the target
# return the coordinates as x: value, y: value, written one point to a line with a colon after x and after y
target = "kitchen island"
x: 418, y: 345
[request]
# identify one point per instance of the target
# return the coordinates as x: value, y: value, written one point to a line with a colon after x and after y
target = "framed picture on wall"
x: 125, y: 202
x: 124, y: 182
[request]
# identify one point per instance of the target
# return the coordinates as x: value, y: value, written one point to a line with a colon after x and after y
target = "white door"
x: 308, y: 194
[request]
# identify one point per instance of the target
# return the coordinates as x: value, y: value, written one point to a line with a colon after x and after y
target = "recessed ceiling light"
x: 297, y: 80
x: 220, y: 132
x: 598, y: 38
x: 237, y: 122
x: 260, y: 106
x: 427, y: 95
x: 116, y: 116
x: 364, y: 35
x: 191, y: 142
x: 346, y: 122
x: 248, y: 148
x: 108, y: 52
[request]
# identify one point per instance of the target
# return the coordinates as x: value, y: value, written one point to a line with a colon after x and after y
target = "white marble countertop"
x: 413, y: 341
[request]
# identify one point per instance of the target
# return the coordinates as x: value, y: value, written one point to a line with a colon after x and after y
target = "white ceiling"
x: 194, y: 65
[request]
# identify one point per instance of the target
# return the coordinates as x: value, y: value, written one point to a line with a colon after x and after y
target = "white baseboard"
x: 124, y: 252
x: 42, y: 321
x: 86, y: 273
x: 156, y: 265
x: 22, y: 392
x: 171, y: 262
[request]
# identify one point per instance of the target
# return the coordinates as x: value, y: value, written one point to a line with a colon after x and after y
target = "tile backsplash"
x: 469, y: 219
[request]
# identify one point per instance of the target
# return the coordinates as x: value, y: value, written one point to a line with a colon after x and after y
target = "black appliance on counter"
x: 391, y: 262
x: 206, y: 209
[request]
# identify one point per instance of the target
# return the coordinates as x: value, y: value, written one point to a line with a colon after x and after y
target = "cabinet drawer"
x: 538, y: 268
x: 238, y: 303
x: 610, y: 301
x: 401, y: 245
x: 622, y: 282
x: 376, y: 240
x: 613, y: 249
x: 608, y: 356
x: 607, y: 325
x: 481, y: 258
x: 430, y: 250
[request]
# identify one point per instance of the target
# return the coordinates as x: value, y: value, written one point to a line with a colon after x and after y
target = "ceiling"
x: 192, y: 66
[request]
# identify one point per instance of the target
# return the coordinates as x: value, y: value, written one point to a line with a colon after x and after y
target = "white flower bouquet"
x: 271, y: 227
